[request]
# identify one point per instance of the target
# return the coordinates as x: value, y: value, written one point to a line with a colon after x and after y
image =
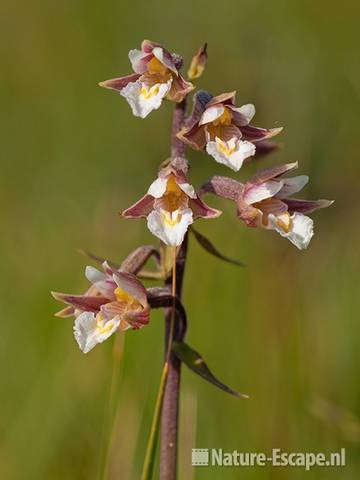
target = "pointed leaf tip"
x: 194, y: 361
x: 210, y: 248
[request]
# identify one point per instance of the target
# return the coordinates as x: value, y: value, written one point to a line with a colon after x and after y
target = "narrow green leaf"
x: 210, y: 248
x: 150, y: 456
x: 196, y: 363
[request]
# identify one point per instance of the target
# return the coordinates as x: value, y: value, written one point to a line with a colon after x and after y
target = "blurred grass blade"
x: 149, y: 463
x: 196, y: 363
x: 210, y: 248
x: 111, y: 406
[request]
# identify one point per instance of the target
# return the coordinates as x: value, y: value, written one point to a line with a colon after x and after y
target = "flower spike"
x: 223, y: 130
x: 156, y: 77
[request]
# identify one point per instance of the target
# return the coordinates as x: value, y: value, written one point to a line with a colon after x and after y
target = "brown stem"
x: 170, y: 409
x: 177, y: 146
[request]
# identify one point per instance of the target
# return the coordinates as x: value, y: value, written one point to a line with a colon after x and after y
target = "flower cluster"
x: 117, y: 300
x: 217, y: 126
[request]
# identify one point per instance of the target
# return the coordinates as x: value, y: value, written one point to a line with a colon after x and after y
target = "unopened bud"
x: 198, y: 63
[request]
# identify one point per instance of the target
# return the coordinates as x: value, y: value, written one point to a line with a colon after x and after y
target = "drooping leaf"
x: 196, y: 363
x: 210, y: 248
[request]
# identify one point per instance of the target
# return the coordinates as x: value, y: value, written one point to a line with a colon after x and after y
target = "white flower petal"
x: 170, y: 227
x: 188, y: 189
x: 94, y: 275
x: 300, y: 232
x: 158, y: 187
x: 262, y: 191
x: 164, y: 58
x: 135, y: 57
x: 143, y: 99
x: 100, y: 280
x: 89, y: 330
x: 248, y: 111
x: 231, y: 153
x: 292, y: 185
x: 211, y: 114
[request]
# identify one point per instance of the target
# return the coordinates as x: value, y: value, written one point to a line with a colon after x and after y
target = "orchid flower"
x: 116, y: 301
x: 171, y: 205
x: 223, y: 129
x: 264, y: 202
x: 156, y: 77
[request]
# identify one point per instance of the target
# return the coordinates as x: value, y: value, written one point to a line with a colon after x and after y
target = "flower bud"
x: 198, y: 63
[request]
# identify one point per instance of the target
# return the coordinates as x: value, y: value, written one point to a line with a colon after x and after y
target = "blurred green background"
x: 285, y: 329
